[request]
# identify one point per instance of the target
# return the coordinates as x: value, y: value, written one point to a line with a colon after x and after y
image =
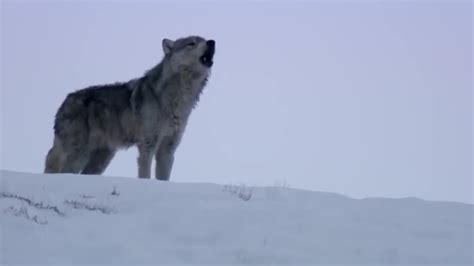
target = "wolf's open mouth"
x: 206, y: 58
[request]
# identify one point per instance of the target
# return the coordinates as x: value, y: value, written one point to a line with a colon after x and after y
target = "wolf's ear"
x: 167, y: 45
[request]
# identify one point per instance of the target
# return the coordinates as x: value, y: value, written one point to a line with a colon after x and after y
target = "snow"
x: 64, y: 219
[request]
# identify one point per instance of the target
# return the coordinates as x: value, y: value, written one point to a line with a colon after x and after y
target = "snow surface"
x: 72, y: 219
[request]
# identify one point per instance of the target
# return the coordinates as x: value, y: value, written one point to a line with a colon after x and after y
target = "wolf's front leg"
x: 164, y: 163
x: 165, y: 156
x: 146, y: 150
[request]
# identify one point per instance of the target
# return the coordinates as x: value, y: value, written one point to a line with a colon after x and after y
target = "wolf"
x: 150, y: 112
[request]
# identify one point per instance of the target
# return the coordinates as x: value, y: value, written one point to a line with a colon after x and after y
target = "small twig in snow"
x: 241, y: 191
x: 115, y: 192
x: 38, y: 205
x: 83, y: 205
x: 23, y: 212
x: 85, y: 196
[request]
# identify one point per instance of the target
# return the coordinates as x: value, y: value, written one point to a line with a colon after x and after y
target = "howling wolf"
x: 151, y: 112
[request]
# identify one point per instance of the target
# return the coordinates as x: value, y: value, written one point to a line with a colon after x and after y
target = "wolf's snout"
x: 211, y: 44
x: 206, y: 58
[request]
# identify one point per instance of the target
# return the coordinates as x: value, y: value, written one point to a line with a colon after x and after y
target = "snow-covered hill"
x: 64, y: 219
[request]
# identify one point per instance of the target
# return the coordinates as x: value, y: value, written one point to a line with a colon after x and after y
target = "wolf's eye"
x: 191, y: 44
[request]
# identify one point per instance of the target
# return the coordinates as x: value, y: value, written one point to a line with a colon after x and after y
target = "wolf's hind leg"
x: 54, y: 160
x: 99, y: 159
x: 75, y: 160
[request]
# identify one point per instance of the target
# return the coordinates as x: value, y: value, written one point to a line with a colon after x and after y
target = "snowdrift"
x: 74, y: 219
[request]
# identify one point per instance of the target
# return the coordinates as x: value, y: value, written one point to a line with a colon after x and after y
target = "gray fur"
x: 150, y: 112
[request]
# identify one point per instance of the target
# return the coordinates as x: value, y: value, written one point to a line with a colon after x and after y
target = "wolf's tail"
x: 54, y: 158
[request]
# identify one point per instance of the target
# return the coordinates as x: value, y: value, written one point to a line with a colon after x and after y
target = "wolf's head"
x: 193, y: 54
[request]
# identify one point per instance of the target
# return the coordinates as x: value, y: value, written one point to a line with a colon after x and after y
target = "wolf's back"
x: 97, y: 104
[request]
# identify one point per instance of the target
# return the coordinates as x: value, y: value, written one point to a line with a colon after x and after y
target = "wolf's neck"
x: 155, y: 75
x: 184, y: 87
x: 177, y: 92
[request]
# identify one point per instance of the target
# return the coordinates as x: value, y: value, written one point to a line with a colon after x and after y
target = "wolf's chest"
x: 170, y: 125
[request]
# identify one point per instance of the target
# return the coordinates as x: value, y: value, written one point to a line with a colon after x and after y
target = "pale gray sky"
x: 362, y: 98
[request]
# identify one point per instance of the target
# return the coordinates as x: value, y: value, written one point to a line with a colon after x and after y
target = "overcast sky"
x: 363, y: 98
